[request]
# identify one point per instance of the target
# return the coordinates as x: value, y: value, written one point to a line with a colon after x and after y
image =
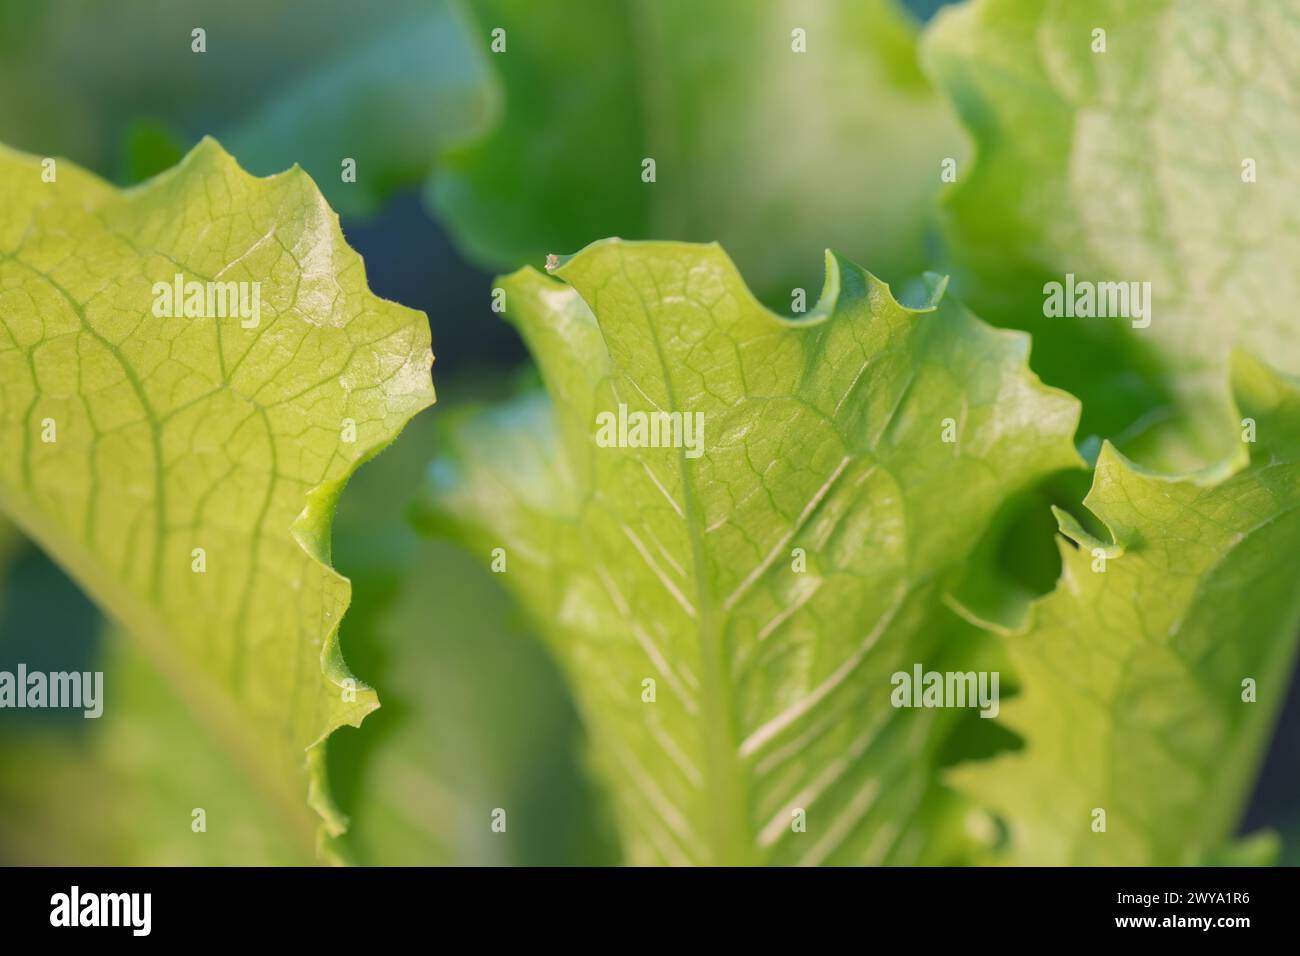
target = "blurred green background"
x: 474, y: 713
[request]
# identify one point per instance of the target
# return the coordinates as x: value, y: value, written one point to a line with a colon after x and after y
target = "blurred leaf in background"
x: 808, y: 121
x: 394, y: 102
x: 776, y: 153
x: 1132, y: 141
x: 474, y: 713
x: 305, y: 81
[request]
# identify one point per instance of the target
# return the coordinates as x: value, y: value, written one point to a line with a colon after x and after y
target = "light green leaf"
x: 773, y: 152
x: 1133, y: 668
x: 172, y: 434
x: 123, y: 790
x: 474, y: 718
x: 1127, y: 165
x: 822, y: 437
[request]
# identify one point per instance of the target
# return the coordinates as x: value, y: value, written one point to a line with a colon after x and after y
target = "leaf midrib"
x: 729, y: 836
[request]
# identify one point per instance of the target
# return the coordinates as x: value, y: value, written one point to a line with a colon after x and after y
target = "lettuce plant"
x: 1153, y: 672
x: 183, y: 465
x: 730, y: 621
x: 1101, y: 151
x: 739, y: 533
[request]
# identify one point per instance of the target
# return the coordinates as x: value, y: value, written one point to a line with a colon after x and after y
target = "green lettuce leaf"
x: 1127, y: 165
x: 1133, y: 698
x: 770, y: 585
x: 145, y: 793
x: 138, y: 439
x: 475, y: 717
x: 774, y: 153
